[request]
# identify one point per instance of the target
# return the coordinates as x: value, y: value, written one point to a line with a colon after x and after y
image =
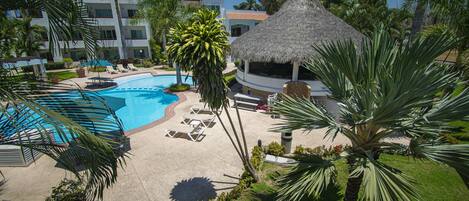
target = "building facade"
x: 137, y: 33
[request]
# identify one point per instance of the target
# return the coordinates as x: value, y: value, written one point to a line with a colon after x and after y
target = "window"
x: 131, y: 13
x: 103, y: 13
x: 107, y: 35
x: 239, y: 29
x: 137, y: 34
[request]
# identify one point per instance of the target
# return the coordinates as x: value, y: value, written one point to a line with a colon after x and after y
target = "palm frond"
x: 384, y: 183
x: 300, y: 113
x: 75, y: 128
x: 310, y: 178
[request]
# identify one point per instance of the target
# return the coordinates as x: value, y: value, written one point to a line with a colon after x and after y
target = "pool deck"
x: 164, y: 168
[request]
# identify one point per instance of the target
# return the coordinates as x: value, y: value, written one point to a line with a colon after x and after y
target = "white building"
x: 137, y: 34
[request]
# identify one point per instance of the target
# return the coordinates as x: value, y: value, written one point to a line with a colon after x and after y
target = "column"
x: 296, y: 68
x: 148, y: 35
x: 246, y: 69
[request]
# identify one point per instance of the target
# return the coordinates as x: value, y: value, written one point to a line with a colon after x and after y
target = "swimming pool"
x: 139, y: 100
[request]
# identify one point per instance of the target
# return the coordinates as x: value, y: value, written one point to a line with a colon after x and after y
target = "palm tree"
x: 201, y: 45
x: 419, y: 15
x: 272, y: 6
x: 29, y: 37
x: 7, y: 37
x: 248, y: 5
x: 121, y: 30
x: 383, y: 89
x: 162, y: 16
x: 66, y: 18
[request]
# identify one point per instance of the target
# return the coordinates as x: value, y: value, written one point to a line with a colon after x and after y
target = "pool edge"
x: 168, y: 114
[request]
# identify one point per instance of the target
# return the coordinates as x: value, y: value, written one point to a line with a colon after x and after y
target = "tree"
x: 272, y: 6
x: 383, y: 88
x: 365, y: 15
x: 30, y: 37
x: 163, y: 15
x: 121, y: 30
x: 248, y: 5
x: 66, y: 18
x: 419, y: 15
x: 7, y: 37
x: 201, y: 44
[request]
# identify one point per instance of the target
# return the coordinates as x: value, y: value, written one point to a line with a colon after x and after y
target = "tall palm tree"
x: 383, y: 89
x: 121, y: 30
x: 272, y: 6
x: 162, y: 16
x: 201, y: 44
x: 30, y: 37
x: 66, y: 18
x: 248, y: 5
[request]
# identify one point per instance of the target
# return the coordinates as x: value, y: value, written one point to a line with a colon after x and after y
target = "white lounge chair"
x: 121, y: 68
x: 201, y: 108
x: 188, y: 130
x: 132, y: 67
x: 111, y: 70
x: 204, y: 119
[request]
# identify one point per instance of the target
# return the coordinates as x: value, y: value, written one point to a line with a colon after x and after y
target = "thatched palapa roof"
x: 289, y: 34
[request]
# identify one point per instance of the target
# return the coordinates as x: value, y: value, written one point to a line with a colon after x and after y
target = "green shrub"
x: 147, y: 63
x: 69, y: 190
x: 55, y: 66
x: 244, y: 183
x: 257, y: 157
x: 97, y: 69
x: 237, y: 63
x: 275, y: 149
x: 331, y: 151
x: 68, y: 60
x: 179, y: 88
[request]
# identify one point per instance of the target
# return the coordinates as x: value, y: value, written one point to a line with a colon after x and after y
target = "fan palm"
x: 382, y: 89
x: 201, y: 45
x: 66, y: 18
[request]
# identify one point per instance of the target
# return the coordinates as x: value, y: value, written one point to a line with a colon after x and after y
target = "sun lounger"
x: 132, y: 67
x: 188, y: 130
x: 111, y: 70
x: 201, y: 108
x: 121, y: 68
x: 204, y: 119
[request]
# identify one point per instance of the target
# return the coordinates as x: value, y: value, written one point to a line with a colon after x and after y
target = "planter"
x: 81, y: 72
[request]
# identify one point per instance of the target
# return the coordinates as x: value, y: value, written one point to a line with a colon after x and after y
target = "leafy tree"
x: 162, y: 16
x: 272, y: 6
x: 7, y: 37
x: 30, y: 37
x: 248, y: 5
x: 365, y: 15
x: 385, y: 88
x: 201, y: 44
x: 66, y: 18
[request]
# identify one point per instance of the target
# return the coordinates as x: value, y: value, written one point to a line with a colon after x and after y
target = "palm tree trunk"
x: 178, y: 75
x: 353, y: 187
x: 353, y: 183
x: 121, y: 30
x: 419, y: 15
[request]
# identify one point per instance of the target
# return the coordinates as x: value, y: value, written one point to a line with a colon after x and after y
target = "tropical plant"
x: 162, y: 16
x: 7, y: 37
x: 383, y: 88
x: 201, y: 45
x: 29, y: 37
x: 365, y: 15
x: 75, y: 128
x: 68, y: 190
x: 66, y: 18
x: 248, y: 5
x: 272, y: 6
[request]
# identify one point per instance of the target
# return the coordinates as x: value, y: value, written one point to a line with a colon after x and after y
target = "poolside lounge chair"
x: 132, y: 67
x: 121, y: 68
x: 111, y: 70
x: 201, y: 108
x: 188, y: 130
x: 204, y: 119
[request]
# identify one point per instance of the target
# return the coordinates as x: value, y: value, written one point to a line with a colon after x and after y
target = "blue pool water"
x: 140, y: 100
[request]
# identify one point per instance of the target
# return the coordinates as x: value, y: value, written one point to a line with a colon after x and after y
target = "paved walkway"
x: 163, y: 168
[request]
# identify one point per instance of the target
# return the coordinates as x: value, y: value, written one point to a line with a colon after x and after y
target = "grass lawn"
x: 97, y: 69
x: 62, y: 75
x: 434, y: 182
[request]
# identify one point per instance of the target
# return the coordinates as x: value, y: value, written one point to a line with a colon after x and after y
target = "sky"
x: 229, y: 3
